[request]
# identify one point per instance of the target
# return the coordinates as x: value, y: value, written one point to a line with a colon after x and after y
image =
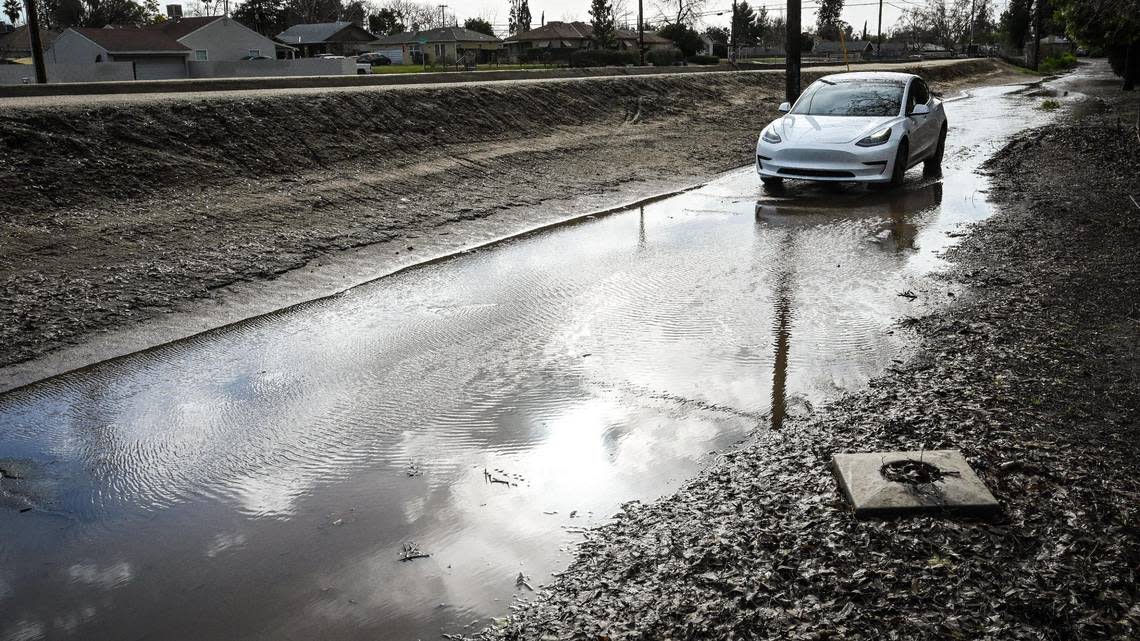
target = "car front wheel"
x: 901, y: 158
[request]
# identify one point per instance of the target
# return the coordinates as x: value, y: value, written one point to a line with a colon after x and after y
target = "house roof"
x: 179, y: 28
x: 318, y: 32
x: 131, y: 39
x: 19, y: 39
x: 580, y: 31
x: 445, y: 34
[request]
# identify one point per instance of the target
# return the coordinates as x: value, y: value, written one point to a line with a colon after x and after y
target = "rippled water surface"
x: 261, y: 481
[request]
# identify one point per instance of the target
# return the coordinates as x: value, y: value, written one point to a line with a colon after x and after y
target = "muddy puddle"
x: 265, y: 481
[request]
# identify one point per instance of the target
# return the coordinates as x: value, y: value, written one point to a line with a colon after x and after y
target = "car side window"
x: 910, y: 95
x: 921, y: 93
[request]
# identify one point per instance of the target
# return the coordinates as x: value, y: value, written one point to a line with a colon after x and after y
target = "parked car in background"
x: 855, y: 127
x: 374, y: 59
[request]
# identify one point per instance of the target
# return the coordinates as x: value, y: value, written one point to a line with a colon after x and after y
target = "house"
x: 929, y: 50
x: 834, y: 49
x: 559, y: 39
x: 17, y: 43
x: 448, y: 44
x: 216, y: 38
x: 893, y: 50
x: 1055, y: 46
x: 336, y: 38
x: 713, y: 45
x: 155, y: 55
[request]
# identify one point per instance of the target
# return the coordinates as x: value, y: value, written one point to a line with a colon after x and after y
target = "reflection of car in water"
x: 855, y: 127
x: 900, y: 208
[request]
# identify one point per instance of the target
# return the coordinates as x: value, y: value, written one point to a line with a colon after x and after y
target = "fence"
x: 56, y: 73
x: 272, y: 68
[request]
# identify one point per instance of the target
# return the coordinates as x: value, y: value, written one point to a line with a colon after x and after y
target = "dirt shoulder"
x: 119, y: 214
x: 1034, y: 374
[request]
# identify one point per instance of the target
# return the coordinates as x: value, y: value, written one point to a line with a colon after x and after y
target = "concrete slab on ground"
x: 899, y: 483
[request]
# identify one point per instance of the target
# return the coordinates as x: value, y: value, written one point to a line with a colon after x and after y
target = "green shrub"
x: 664, y: 57
x: 1053, y: 64
x: 704, y: 60
x: 1050, y: 105
x: 602, y: 58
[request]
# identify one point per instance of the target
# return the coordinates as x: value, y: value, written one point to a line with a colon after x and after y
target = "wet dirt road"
x: 264, y: 480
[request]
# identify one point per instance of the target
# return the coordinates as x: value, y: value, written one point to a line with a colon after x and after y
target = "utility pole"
x: 1036, y: 34
x: 641, y: 30
x: 442, y: 15
x: 879, y: 42
x: 37, y: 44
x: 732, y: 34
x: 792, y: 51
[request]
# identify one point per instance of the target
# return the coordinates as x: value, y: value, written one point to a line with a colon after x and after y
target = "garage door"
x: 159, y: 68
x: 395, y: 55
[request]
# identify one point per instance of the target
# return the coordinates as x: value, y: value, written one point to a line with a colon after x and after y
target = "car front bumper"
x: 837, y: 163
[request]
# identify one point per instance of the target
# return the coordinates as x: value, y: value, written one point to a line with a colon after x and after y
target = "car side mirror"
x: 785, y: 107
x: 920, y: 110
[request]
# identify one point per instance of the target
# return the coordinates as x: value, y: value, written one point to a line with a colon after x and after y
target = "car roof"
x: 870, y: 75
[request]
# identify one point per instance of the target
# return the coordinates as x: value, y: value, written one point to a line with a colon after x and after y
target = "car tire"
x: 901, y: 158
x: 771, y: 182
x: 933, y: 164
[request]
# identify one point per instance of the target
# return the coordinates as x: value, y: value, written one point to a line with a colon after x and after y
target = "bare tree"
x: 684, y: 12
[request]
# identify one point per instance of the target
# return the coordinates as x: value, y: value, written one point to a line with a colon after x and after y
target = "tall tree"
x: 12, y: 9
x: 604, y: 24
x: 100, y: 13
x: 519, y: 20
x: 748, y: 25
x: 479, y: 25
x: 266, y: 17
x: 827, y: 20
x: 685, y: 12
x: 310, y: 11
x: 386, y: 22
x: 354, y: 12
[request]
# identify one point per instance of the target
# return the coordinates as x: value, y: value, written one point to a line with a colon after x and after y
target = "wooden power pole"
x: 792, y: 53
x: 879, y: 40
x: 37, y: 44
x: 641, y: 30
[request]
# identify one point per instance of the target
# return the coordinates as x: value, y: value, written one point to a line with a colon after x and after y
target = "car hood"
x: 829, y: 129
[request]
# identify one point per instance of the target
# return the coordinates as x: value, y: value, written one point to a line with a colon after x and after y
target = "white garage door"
x: 395, y: 55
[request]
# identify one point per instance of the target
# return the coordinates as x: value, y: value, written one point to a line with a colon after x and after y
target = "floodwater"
x: 263, y: 481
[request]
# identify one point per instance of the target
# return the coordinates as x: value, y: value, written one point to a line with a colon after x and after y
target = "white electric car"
x: 855, y: 127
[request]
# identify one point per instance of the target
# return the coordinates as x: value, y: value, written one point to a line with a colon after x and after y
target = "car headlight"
x: 771, y: 136
x: 879, y: 137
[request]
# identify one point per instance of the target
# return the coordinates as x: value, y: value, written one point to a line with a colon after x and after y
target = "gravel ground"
x: 116, y: 213
x: 1034, y: 374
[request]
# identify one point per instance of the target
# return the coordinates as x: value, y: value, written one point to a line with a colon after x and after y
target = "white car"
x: 855, y: 127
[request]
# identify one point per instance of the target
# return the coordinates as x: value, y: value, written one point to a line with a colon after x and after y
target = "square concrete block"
x: 898, y: 483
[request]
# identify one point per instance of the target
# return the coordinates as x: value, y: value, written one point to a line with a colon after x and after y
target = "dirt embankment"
x: 115, y: 213
x: 1034, y: 375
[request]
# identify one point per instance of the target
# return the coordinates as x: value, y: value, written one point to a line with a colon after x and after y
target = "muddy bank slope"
x: 1035, y: 375
x: 116, y: 213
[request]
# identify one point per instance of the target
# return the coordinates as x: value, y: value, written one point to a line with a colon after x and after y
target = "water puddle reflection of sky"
x: 261, y: 481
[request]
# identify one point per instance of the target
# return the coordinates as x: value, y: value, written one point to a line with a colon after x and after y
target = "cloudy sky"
x: 856, y: 11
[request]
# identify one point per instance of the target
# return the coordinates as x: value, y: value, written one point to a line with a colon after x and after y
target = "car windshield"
x: 851, y: 98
